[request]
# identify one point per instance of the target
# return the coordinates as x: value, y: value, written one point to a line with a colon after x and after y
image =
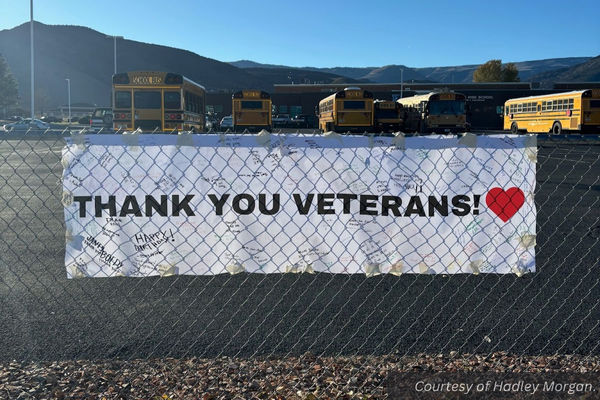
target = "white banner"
x: 142, y: 205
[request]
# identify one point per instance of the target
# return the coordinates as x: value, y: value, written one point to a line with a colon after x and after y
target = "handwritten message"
x: 295, y: 203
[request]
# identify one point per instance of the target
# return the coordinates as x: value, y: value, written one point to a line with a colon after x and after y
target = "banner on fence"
x: 143, y: 205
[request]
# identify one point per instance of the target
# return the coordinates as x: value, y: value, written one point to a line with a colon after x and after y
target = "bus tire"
x: 514, y: 128
x: 557, y: 128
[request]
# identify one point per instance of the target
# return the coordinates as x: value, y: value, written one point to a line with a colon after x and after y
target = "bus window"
x: 172, y: 100
x: 252, y: 105
x: 147, y: 100
x: 354, y: 105
x: 123, y: 100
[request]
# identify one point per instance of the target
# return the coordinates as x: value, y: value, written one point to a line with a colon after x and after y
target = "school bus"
x: 387, y: 116
x: 349, y: 110
x: 577, y: 111
x: 157, y: 101
x: 435, y: 112
x: 251, y: 110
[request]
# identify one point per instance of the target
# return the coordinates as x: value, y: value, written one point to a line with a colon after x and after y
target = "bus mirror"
x: 500, y: 110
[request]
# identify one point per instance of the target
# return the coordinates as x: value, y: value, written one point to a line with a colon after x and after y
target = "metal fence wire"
x: 319, y: 334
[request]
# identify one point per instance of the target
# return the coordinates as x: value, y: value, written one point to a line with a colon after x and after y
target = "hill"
x: 450, y: 74
x: 395, y: 73
x: 276, y: 76
x: 86, y: 57
x: 586, y: 72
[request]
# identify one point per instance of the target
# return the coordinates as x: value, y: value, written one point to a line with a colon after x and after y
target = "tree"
x: 510, y: 73
x: 494, y: 71
x: 9, y: 88
x: 42, y: 99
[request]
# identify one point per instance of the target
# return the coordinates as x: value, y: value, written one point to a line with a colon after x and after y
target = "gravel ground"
x: 305, y: 378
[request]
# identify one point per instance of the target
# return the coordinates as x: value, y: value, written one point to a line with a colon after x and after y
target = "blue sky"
x: 349, y: 33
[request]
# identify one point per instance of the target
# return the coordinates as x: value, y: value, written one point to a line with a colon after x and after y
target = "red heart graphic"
x: 503, y: 203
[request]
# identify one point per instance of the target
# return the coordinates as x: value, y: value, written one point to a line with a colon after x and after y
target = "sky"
x: 328, y: 33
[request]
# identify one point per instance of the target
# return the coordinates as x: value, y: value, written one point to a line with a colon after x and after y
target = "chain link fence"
x: 264, y: 335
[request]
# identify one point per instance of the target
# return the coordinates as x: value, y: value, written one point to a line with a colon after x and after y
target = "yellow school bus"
x: 157, y: 101
x: 251, y: 110
x: 435, y: 112
x: 349, y: 110
x: 387, y: 117
x: 577, y: 111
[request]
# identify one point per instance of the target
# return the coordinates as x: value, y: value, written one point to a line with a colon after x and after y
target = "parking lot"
x: 45, y: 316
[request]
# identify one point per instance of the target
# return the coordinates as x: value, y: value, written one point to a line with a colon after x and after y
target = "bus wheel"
x: 557, y: 128
x: 514, y: 128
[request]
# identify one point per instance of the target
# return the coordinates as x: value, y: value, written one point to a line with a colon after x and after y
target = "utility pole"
x: 115, y: 48
x: 32, y: 63
x: 69, y: 89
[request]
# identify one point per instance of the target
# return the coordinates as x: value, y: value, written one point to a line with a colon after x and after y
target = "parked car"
x: 49, y: 119
x: 304, y: 121
x: 281, y: 120
x: 27, y: 124
x: 227, y: 122
x: 14, y: 118
x: 101, y: 118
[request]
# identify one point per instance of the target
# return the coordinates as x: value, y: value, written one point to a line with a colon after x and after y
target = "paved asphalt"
x: 44, y: 316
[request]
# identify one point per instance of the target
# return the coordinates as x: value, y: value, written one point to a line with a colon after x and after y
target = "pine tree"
x: 9, y: 88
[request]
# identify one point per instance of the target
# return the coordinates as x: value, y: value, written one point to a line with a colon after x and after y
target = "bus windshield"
x: 455, y: 107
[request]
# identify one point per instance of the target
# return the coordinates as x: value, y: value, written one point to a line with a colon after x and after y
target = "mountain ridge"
x: 443, y: 74
x: 86, y: 57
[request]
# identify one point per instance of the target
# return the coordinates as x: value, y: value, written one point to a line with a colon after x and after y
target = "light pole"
x: 69, y: 90
x: 31, y: 45
x: 115, y: 40
x: 401, y: 81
